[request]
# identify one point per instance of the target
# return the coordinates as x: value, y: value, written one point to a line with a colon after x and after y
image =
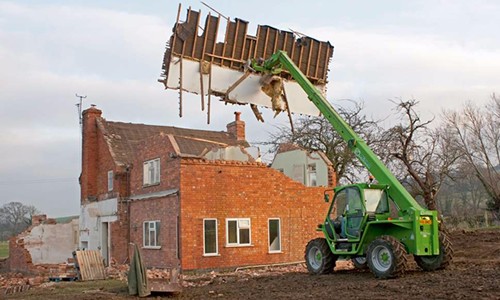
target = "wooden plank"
x: 91, y: 265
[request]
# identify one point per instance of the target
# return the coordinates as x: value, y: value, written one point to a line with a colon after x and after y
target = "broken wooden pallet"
x: 90, y: 265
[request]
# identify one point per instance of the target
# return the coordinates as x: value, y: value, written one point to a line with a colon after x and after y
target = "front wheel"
x: 440, y: 261
x: 319, y: 259
x: 386, y: 257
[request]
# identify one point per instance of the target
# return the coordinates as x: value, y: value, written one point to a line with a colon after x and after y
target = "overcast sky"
x: 442, y: 53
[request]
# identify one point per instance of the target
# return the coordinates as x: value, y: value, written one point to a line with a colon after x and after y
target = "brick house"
x: 191, y: 198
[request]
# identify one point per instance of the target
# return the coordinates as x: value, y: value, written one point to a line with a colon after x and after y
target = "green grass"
x: 4, y: 249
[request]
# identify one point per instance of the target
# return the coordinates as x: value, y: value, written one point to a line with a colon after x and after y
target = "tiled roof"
x: 124, y: 138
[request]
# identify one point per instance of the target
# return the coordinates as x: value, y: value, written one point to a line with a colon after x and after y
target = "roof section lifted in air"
x: 195, y: 62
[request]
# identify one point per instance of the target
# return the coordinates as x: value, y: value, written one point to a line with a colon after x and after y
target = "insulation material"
x: 195, y: 62
x: 248, y: 91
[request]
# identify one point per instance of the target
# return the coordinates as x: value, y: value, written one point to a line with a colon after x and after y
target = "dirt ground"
x: 474, y: 274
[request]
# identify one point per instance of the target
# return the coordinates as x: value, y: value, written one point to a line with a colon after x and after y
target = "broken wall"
x: 43, y: 244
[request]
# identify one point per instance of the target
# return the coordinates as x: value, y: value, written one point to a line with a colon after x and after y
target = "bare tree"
x: 16, y: 216
x: 478, y: 137
x: 316, y: 133
x: 424, y: 156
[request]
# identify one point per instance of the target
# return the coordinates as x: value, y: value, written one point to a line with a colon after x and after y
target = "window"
x: 311, y: 169
x: 210, y: 237
x: 274, y: 235
x: 151, y: 172
x: 151, y: 234
x: 110, y: 181
x: 238, y: 232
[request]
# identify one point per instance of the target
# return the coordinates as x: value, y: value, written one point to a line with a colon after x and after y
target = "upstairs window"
x: 238, y: 232
x: 151, y: 172
x: 151, y: 234
x: 110, y: 181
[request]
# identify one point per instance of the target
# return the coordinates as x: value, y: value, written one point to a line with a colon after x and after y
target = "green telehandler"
x: 375, y: 225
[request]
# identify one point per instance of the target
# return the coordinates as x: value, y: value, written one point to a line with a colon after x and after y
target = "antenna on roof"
x: 79, y: 105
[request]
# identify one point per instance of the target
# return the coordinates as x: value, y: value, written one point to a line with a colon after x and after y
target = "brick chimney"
x: 237, y: 128
x: 88, y: 178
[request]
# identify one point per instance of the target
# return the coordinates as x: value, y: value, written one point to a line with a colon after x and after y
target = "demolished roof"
x: 123, y: 139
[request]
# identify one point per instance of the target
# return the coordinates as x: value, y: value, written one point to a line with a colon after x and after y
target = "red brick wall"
x: 165, y: 210
x: 240, y: 190
x: 155, y: 147
x: 19, y: 258
x: 89, y: 153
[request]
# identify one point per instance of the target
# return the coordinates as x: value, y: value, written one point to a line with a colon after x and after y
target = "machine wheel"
x: 360, y: 262
x: 319, y: 258
x: 386, y: 257
x: 440, y: 261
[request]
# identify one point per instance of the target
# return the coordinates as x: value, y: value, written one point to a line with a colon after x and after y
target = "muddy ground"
x: 475, y: 274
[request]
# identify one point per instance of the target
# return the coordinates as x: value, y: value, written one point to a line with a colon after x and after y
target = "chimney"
x: 237, y: 128
x: 88, y: 178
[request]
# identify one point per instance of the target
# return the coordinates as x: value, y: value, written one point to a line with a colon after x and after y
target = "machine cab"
x: 352, y: 207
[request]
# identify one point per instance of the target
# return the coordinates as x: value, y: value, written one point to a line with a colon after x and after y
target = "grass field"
x: 4, y: 249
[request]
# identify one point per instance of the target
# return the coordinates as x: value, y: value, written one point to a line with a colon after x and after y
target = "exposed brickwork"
x: 165, y: 210
x: 89, y: 153
x: 245, y: 190
x: 237, y: 128
x: 19, y: 258
x: 206, y: 189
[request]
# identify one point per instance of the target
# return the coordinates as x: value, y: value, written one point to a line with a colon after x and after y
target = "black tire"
x: 386, y: 257
x: 319, y: 258
x: 360, y: 262
x: 440, y: 261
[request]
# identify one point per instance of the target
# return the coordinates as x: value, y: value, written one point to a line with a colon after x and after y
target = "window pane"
x: 231, y: 232
x: 157, y: 237
x: 157, y: 171
x: 152, y: 238
x: 244, y: 224
x: 210, y: 236
x: 244, y: 236
x: 274, y: 235
x: 146, y: 234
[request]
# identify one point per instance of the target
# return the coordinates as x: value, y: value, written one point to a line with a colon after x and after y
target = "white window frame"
x: 216, y: 237
x: 151, y: 172
x: 238, y: 244
x: 269, y: 234
x: 110, y: 180
x: 157, y: 243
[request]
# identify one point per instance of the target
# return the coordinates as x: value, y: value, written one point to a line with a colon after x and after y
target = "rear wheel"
x: 360, y: 262
x: 440, y: 261
x: 386, y: 257
x: 319, y: 258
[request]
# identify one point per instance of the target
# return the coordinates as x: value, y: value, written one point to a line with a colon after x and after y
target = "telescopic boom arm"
x: 368, y: 158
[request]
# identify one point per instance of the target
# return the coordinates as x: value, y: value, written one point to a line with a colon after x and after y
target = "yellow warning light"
x: 425, y: 221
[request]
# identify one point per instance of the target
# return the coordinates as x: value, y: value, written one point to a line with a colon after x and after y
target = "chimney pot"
x: 237, y: 127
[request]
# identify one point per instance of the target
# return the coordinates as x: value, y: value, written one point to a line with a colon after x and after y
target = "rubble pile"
x: 17, y: 282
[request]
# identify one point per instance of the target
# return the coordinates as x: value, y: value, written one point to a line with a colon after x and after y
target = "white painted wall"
x: 248, y: 91
x: 51, y: 243
x: 92, y: 217
x: 296, y: 161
